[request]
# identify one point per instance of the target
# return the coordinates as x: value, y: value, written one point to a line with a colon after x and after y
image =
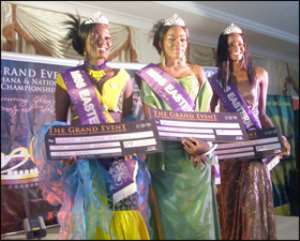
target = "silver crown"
x: 98, y: 17
x: 174, y: 20
x: 232, y: 28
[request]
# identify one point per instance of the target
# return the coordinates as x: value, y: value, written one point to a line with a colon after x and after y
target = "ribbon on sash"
x: 90, y: 111
x: 234, y: 102
x: 123, y: 175
x: 167, y: 88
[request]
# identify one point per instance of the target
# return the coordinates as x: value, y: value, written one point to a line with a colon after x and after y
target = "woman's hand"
x: 198, y: 160
x: 286, y: 149
x: 194, y: 147
x: 69, y: 162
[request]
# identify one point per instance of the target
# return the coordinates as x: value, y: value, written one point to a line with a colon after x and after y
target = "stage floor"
x: 287, y: 229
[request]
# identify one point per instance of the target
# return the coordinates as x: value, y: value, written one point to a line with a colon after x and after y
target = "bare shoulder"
x: 199, y: 72
x: 197, y: 68
x: 261, y: 74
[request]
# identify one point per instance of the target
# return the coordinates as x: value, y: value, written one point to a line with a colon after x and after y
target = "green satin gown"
x: 185, y: 195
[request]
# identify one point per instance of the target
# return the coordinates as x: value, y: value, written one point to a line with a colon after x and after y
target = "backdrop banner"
x: 27, y: 101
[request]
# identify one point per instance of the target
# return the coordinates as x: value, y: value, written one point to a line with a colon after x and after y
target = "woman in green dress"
x: 183, y: 193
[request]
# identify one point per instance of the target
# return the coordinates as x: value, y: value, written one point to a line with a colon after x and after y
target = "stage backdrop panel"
x: 27, y: 101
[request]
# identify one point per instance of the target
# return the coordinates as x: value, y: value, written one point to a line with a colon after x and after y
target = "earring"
x: 244, y: 62
x: 183, y: 59
x: 162, y: 59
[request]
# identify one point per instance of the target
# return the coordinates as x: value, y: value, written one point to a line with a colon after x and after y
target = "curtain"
x: 142, y: 43
x: 42, y: 32
x: 280, y: 110
x: 276, y: 70
x: 201, y: 55
x: 294, y: 73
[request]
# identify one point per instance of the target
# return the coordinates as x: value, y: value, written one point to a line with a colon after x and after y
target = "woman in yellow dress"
x: 94, y: 93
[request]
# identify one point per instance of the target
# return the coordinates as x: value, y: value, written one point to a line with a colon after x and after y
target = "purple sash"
x: 83, y: 96
x: 234, y: 102
x: 167, y: 88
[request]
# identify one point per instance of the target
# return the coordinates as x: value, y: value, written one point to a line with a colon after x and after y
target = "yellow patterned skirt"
x: 126, y: 225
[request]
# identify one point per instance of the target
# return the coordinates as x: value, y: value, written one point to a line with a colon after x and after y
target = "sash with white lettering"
x: 83, y: 96
x: 167, y: 88
x: 234, y: 102
x: 90, y: 111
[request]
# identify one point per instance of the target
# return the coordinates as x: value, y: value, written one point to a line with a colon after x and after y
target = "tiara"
x: 232, y: 28
x: 98, y: 17
x: 174, y: 20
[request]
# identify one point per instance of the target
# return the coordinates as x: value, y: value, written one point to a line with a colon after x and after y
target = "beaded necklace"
x: 100, y: 70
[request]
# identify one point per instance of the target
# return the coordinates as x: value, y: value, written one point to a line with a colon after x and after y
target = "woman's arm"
x: 263, y: 81
x: 205, y: 91
x: 62, y: 103
x: 127, y: 102
x: 200, y: 74
x: 214, y: 102
x: 263, y: 78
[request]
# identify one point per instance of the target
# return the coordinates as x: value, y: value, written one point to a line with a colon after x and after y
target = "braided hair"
x: 223, y: 61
